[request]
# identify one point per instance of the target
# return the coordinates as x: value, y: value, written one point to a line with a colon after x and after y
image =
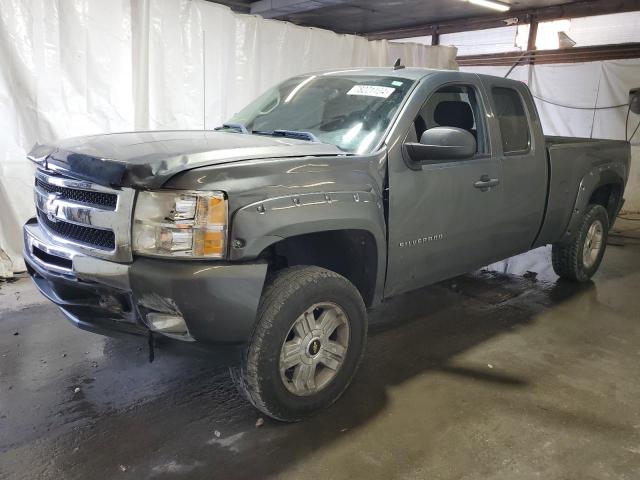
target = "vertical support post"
x: 435, y: 36
x: 531, y: 41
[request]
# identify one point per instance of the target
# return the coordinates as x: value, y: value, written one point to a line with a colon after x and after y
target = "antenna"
x: 397, y: 65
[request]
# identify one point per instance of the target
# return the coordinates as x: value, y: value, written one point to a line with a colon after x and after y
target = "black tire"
x: 287, y: 294
x: 568, y: 260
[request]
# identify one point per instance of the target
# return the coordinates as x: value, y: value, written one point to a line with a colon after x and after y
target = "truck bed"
x: 574, y: 162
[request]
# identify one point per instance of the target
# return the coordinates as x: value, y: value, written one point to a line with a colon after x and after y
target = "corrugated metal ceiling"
x: 365, y: 16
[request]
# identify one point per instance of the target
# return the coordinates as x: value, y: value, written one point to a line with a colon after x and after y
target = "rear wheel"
x: 308, y: 342
x: 580, y: 259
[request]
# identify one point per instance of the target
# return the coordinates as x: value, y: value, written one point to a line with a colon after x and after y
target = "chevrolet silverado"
x: 274, y: 233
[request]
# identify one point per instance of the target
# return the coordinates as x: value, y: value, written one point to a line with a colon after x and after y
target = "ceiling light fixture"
x: 492, y: 4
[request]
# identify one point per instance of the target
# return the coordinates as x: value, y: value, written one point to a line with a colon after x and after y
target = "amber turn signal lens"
x: 217, y: 211
x: 209, y: 243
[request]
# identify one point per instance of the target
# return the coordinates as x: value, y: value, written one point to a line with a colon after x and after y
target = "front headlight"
x: 180, y: 224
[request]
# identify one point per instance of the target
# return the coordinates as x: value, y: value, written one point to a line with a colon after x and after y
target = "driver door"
x: 441, y: 221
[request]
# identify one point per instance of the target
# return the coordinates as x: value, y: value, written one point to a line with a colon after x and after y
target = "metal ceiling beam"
x: 567, y: 55
x: 280, y: 8
x: 585, y: 8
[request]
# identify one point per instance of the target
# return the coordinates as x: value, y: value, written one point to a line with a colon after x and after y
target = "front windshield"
x: 351, y: 112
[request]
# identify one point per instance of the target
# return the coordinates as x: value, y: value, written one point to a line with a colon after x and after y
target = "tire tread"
x: 279, y: 287
x: 566, y: 257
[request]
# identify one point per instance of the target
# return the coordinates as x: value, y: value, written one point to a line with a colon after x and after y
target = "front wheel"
x: 308, y: 342
x: 579, y: 260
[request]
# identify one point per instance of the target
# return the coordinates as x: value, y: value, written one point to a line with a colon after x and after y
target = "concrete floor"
x: 500, y: 374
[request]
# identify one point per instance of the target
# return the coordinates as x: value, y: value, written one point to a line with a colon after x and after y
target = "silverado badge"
x: 421, y: 240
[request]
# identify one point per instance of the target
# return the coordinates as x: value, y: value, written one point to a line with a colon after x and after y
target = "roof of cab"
x: 408, y: 72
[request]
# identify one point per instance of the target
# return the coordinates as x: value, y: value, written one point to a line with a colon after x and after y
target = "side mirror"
x: 442, y: 144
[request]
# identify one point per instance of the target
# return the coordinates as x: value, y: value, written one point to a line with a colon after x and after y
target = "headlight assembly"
x: 180, y: 224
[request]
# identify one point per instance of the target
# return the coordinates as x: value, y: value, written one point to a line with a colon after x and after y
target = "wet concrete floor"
x: 505, y: 373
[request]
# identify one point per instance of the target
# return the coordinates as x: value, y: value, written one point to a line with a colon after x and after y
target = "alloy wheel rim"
x: 315, y: 349
x: 592, y: 244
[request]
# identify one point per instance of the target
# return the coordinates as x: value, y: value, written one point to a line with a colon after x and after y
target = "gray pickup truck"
x: 331, y: 192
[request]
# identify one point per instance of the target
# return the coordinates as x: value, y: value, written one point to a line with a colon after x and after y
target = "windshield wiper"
x: 299, y: 135
x: 234, y: 126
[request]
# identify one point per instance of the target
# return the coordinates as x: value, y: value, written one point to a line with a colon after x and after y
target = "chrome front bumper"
x: 72, y: 264
x: 93, y: 294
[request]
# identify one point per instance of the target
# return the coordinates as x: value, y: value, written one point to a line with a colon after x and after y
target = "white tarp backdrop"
x: 78, y: 67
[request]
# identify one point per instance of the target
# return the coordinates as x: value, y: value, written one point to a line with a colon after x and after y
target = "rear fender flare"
x: 605, y: 174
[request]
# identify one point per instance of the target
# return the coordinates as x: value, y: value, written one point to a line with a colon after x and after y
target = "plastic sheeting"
x: 595, y: 30
x: 81, y: 67
x: 573, y: 100
x: 491, y: 40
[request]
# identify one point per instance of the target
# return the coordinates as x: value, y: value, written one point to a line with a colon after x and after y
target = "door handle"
x: 485, y: 183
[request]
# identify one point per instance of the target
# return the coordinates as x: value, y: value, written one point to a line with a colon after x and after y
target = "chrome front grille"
x: 91, y: 237
x: 86, y: 197
x: 91, y: 218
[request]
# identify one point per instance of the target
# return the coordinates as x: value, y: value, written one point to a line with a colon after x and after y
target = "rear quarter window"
x: 512, y: 119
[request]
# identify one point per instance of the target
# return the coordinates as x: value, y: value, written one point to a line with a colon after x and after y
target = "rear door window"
x: 511, y: 116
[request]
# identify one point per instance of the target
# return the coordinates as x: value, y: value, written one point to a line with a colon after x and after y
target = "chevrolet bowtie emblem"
x: 51, y: 206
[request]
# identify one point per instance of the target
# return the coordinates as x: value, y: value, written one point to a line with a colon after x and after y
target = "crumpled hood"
x: 149, y: 159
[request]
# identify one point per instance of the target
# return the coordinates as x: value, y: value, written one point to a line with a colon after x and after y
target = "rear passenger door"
x: 519, y: 144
